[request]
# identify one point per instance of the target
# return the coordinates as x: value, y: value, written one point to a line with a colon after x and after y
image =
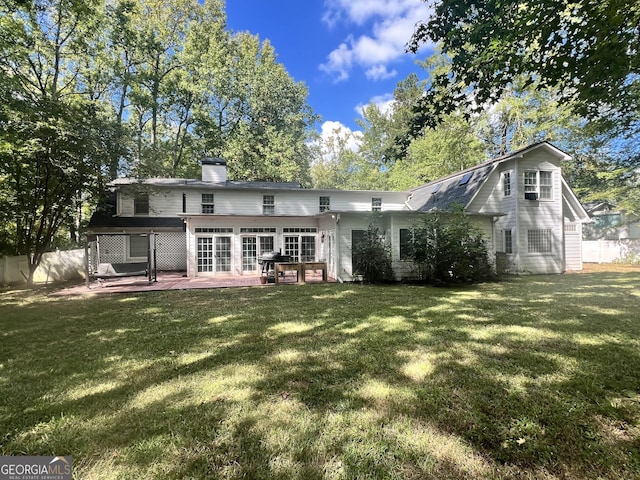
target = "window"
x: 506, y: 183
x: 546, y: 186
x: 466, y: 178
x: 538, y: 185
x: 268, y: 204
x: 539, y: 241
x: 508, y: 241
x: 376, y: 204
x: 301, y: 248
x: 214, y: 229
x: 208, y: 205
x: 141, y: 204
x: 138, y: 246
x: 299, y: 230
x: 530, y: 182
x: 325, y: 204
x: 405, y: 244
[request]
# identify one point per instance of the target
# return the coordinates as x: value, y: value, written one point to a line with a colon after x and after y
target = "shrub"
x: 372, y: 257
x: 447, y: 248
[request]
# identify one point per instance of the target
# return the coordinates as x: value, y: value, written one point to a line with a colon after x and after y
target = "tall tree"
x: 588, y: 51
x: 52, y: 135
x: 450, y: 147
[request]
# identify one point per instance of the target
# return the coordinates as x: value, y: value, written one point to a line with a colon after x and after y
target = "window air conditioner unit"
x: 530, y: 196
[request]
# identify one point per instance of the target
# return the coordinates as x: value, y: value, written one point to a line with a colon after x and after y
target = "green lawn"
x: 536, y: 378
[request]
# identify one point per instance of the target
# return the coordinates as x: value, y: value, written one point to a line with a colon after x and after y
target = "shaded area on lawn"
x: 530, y: 378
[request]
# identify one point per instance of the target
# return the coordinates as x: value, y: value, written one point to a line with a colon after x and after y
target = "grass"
x: 534, y: 378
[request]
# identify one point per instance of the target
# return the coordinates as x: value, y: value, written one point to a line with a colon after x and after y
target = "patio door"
x: 254, y: 247
x: 214, y: 254
x: 302, y: 248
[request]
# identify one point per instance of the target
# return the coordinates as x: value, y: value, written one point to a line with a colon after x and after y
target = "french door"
x: 214, y: 254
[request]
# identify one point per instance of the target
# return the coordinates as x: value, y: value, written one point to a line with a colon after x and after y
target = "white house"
x: 217, y: 227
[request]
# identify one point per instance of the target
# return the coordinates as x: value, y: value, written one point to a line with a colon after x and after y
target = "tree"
x: 588, y: 51
x: 53, y: 137
x: 337, y: 164
x: 452, y: 146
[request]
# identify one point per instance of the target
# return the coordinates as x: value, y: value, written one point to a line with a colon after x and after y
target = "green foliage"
x: 447, y: 248
x: 372, y: 256
x: 339, y: 164
x: 586, y: 50
x: 451, y: 147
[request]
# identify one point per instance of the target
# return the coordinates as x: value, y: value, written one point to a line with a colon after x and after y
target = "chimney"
x: 214, y: 170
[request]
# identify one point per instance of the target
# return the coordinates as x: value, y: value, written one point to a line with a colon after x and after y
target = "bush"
x: 372, y: 257
x: 446, y: 248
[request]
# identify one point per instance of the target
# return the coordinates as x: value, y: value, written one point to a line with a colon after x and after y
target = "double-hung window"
x: 268, y: 204
x: 325, y: 204
x: 506, y: 183
x: 539, y: 184
x: 376, y: 204
x: 405, y: 244
x: 141, y: 204
x: 507, y: 241
x: 208, y: 204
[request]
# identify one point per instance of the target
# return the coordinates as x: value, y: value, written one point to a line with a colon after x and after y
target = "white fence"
x: 607, y: 251
x: 55, y: 267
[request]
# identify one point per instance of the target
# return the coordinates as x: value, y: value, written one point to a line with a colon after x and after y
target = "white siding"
x: 166, y: 201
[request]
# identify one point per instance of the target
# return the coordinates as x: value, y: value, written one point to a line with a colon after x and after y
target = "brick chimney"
x: 214, y: 170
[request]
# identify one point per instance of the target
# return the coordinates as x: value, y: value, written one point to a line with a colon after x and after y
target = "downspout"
x: 338, y: 257
x: 517, y: 214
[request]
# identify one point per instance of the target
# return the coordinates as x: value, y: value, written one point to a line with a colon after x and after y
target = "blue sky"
x: 347, y: 52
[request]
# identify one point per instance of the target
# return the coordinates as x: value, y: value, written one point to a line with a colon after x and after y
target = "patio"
x: 179, y: 281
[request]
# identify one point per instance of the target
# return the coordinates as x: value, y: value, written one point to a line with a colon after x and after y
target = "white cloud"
x: 383, y: 102
x: 326, y: 144
x: 339, y: 62
x: 386, y: 27
x: 336, y: 129
x: 380, y: 72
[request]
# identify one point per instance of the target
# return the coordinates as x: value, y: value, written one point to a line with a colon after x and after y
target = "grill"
x: 268, y: 262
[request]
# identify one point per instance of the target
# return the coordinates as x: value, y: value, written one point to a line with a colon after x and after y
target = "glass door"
x: 205, y: 254
x: 223, y: 254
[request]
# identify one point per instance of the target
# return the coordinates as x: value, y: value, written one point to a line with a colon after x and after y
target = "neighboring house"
x: 610, y: 223
x: 215, y: 227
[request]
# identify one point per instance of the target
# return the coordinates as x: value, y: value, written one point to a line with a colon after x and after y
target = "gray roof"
x: 456, y: 189
x: 193, y: 183
x: 444, y: 193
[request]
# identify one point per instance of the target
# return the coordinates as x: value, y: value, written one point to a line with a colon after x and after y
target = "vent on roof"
x: 437, y: 187
x: 466, y: 178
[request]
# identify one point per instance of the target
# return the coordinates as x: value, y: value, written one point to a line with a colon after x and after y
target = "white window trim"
x: 128, y: 247
x: 212, y: 204
x: 506, y: 191
x: 269, y: 205
x: 551, y: 239
x: 538, y: 186
x: 324, y: 208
